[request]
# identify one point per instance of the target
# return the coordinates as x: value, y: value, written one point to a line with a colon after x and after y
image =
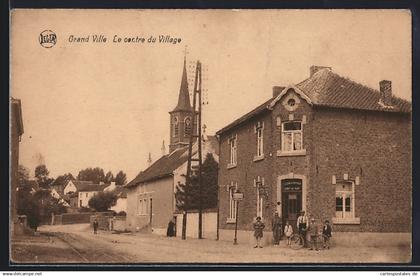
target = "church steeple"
x: 184, y: 103
x: 181, y: 126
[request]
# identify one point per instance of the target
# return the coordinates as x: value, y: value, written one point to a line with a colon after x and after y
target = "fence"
x: 209, y: 229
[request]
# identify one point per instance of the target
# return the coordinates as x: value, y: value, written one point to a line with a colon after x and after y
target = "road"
x: 81, y: 245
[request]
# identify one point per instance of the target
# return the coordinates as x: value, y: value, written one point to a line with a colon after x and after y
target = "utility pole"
x: 195, y: 137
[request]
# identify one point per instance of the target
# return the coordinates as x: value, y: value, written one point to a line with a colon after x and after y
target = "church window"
x: 187, y: 127
x: 175, y: 127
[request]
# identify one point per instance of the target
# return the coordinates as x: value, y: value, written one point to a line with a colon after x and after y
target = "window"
x: 86, y: 194
x: 187, y: 127
x: 291, y: 136
x: 233, y: 150
x: 175, y: 127
x: 259, y: 183
x: 259, y: 128
x: 344, y: 200
x: 232, y: 204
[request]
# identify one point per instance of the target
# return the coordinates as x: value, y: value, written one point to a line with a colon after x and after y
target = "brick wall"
x: 373, y: 146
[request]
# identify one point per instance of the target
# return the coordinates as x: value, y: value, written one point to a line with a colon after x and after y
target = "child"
x: 326, y: 233
x: 258, y: 231
x: 288, y: 231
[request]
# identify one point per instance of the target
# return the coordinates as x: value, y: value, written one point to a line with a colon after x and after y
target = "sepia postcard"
x: 210, y: 136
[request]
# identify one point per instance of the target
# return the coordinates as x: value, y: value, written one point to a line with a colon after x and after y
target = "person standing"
x: 170, y: 232
x: 302, y: 224
x: 313, y: 232
x: 276, y: 227
x: 258, y: 231
x: 95, y: 226
x: 288, y: 231
x: 326, y: 233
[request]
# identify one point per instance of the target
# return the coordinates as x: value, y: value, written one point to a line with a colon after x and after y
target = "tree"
x: 109, y: 177
x: 102, y: 201
x: 62, y: 179
x: 188, y: 195
x: 42, y: 176
x: 95, y: 175
x: 120, y: 178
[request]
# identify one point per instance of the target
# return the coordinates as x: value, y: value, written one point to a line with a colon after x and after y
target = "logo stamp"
x: 47, y: 39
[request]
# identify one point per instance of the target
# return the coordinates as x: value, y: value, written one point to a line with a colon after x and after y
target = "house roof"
x: 88, y: 186
x: 328, y: 89
x: 163, y: 167
x: 167, y: 164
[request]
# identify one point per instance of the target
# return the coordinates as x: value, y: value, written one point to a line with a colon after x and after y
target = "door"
x: 292, y: 201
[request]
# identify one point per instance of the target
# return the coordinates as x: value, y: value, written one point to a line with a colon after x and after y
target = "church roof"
x: 328, y: 89
x: 184, y: 103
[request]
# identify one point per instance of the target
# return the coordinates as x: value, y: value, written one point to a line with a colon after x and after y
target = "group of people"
x: 303, y: 226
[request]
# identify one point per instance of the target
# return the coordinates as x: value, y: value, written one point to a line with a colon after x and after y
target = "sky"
x: 106, y: 104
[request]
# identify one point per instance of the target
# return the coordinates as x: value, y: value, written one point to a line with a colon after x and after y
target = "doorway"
x: 291, y: 192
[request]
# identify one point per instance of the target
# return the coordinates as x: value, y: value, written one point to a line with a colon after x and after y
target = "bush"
x: 102, y: 201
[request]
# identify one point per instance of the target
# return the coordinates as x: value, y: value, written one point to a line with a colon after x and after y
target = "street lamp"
x: 237, y: 196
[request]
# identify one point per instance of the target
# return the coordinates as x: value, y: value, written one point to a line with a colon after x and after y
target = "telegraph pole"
x: 195, y: 136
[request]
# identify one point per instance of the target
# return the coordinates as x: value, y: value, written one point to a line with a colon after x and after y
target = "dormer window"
x: 175, y: 127
x: 291, y: 136
x: 187, y: 127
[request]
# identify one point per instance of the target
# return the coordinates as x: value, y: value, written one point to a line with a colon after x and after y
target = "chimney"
x: 277, y: 90
x: 385, y: 89
x: 314, y: 68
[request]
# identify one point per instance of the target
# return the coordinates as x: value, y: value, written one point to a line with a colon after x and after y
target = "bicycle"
x: 298, y: 241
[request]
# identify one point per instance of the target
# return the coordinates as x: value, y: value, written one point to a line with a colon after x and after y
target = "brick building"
x: 327, y: 145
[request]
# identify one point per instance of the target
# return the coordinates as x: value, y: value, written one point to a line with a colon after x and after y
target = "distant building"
x: 330, y: 146
x: 151, y: 194
x: 82, y: 191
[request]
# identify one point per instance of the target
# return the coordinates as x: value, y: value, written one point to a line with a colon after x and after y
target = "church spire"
x: 184, y: 103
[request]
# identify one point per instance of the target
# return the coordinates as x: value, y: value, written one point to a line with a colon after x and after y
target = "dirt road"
x: 148, y: 248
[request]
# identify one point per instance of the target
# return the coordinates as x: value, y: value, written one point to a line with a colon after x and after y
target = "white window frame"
x: 259, y: 131
x: 232, y: 188
x: 346, y: 217
x: 293, y: 132
x: 233, y: 151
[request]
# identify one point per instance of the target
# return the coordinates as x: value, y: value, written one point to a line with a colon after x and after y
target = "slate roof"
x: 328, y: 89
x: 167, y: 164
x: 184, y: 103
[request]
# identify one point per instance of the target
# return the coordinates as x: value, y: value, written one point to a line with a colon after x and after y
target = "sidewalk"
x: 153, y: 248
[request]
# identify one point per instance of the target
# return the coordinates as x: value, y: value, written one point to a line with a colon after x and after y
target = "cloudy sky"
x: 106, y: 104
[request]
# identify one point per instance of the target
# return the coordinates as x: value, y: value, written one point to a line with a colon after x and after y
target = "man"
x: 277, y: 229
x: 95, y: 226
x: 313, y: 232
x: 302, y: 224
